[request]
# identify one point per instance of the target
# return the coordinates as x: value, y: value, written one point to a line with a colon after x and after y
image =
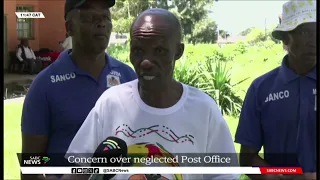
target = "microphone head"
x: 110, y: 148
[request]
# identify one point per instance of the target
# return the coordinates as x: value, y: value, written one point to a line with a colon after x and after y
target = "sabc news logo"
x: 36, y: 160
x: 30, y: 15
x: 45, y: 159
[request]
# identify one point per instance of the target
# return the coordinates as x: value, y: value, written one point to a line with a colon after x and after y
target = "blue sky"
x: 236, y: 16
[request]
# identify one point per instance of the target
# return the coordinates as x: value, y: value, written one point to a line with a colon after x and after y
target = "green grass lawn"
x: 12, y: 139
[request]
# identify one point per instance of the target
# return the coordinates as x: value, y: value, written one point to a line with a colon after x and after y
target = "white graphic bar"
x: 33, y: 15
x: 142, y: 170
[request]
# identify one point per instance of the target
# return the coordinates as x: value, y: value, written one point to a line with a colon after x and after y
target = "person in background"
x: 279, y: 111
x: 67, y: 43
x: 157, y: 102
x: 26, y: 56
x: 62, y: 95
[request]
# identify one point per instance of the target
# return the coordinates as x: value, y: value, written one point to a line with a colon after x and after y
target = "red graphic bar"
x: 273, y: 170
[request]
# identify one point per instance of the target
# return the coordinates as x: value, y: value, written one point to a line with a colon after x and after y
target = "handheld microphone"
x: 110, y: 148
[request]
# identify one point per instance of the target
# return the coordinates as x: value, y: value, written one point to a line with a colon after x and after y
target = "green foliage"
x: 196, y: 25
x: 256, y: 35
x: 129, y: 8
x: 186, y: 73
x: 213, y: 77
x: 241, y: 47
x: 223, y: 73
x: 216, y: 78
x: 246, y: 31
x: 205, y: 31
x: 120, y: 52
x: 224, y: 34
x: 122, y: 25
x: 194, y: 19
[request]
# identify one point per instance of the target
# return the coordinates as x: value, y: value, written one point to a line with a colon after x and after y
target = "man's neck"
x: 299, y: 68
x: 92, y: 63
x: 162, y: 98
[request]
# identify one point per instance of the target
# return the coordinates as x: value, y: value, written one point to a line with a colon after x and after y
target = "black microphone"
x: 110, y: 148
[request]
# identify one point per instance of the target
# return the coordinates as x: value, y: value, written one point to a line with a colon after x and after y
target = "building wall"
x: 52, y: 27
x: 10, y: 9
x: 47, y: 32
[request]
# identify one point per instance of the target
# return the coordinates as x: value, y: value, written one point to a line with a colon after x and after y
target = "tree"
x: 122, y: 25
x: 193, y: 15
x: 246, y: 31
x: 224, y: 34
x: 125, y: 11
x: 256, y: 35
x: 205, y: 31
x: 190, y: 12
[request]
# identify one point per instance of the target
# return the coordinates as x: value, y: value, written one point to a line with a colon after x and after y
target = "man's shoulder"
x: 204, y: 104
x: 42, y: 79
x: 56, y: 68
x: 118, y: 90
x: 19, y: 47
x: 266, y: 78
x: 199, y: 98
x: 116, y: 94
x: 118, y: 63
x: 264, y: 84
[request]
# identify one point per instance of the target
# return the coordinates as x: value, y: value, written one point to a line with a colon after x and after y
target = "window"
x: 24, y: 25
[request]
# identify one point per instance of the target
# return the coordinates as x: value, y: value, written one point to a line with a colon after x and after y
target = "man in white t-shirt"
x: 156, y: 114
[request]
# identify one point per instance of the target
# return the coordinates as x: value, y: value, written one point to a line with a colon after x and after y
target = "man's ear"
x: 68, y: 26
x: 179, y: 52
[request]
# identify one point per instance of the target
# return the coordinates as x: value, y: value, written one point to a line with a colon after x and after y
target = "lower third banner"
x: 159, y: 170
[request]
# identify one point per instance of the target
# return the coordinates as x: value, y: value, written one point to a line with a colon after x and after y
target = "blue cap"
x: 73, y: 4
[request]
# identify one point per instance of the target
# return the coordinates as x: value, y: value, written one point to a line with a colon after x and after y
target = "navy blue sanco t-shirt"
x: 279, y: 113
x: 61, y: 97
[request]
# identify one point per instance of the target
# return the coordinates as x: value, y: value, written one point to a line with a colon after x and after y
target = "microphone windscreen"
x: 111, y: 147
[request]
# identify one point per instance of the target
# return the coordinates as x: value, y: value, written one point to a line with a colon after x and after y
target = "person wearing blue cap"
x: 279, y: 111
x: 61, y: 96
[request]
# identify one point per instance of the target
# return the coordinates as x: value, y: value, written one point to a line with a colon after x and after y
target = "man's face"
x: 25, y: 42
x: 301, y: 43
x: 92, y: 26
x: 153, y: 51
